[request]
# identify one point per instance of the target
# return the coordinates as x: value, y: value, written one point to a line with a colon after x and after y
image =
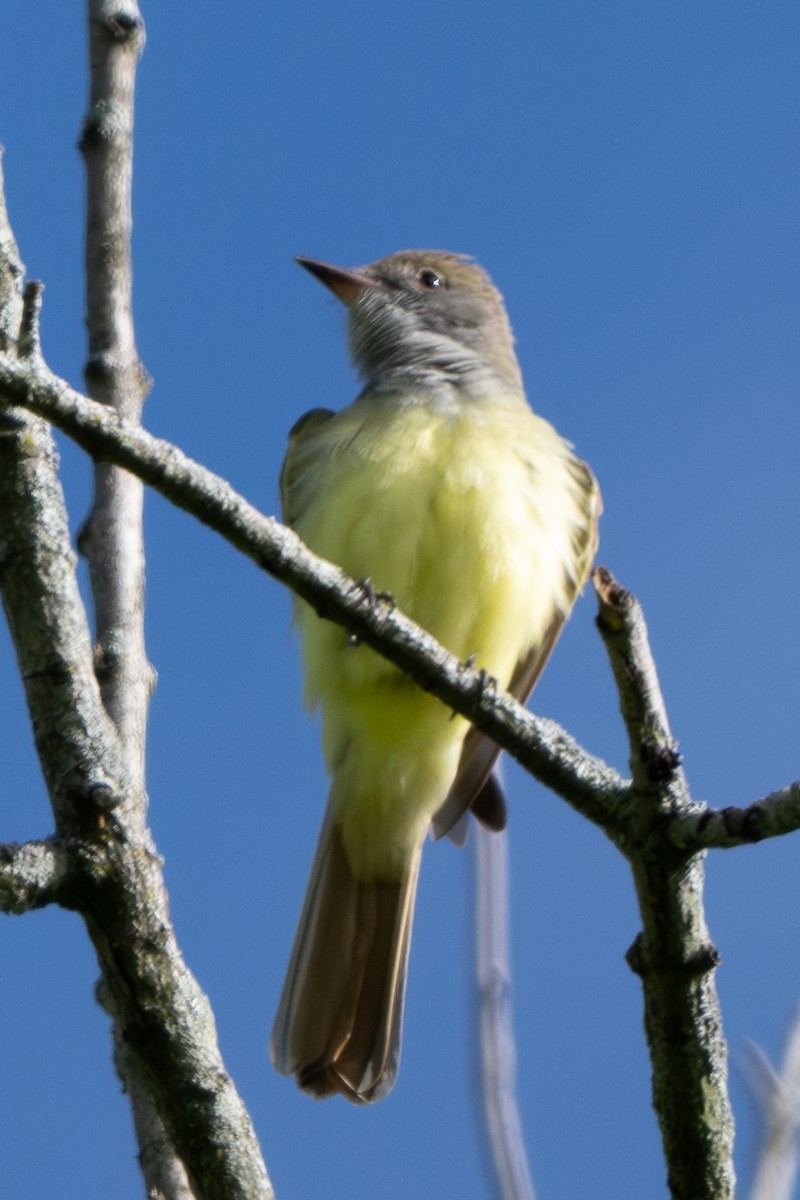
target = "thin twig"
x: 497, y: 1041
x: 112, y: 538
x: 778, y: 1098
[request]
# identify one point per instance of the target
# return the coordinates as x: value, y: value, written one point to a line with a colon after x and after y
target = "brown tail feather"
x: 339, y: 1019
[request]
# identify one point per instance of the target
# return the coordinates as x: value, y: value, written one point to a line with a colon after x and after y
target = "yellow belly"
x: 466, y: 516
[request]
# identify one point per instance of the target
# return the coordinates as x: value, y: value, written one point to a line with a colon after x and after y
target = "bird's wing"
x: 476, y: 786
x: 297, y: 474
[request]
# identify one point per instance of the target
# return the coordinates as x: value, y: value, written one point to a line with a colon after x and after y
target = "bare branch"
x: 115, y: 878
x: 541, y: 746
x: 498, y: 1045
x: 164, y: 1174
x: 11, y: 275
x: 673, y: 954
x: 77, y: 744
x: 725, y: 828
x: 654, y: 757
x: 112, y: 538
x: 778, y: 1096
x: 31, y: 875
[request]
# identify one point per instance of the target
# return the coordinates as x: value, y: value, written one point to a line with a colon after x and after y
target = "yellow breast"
x: 466, y: 514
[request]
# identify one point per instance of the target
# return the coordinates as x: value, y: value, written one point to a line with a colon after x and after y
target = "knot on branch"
x: 90, y: 803
x: 642, y: 962
x: 123, y: 26
x: 107, y: 375
x: 367, y: 597
x: 110, y: 653
x: 615, y: 600
x: 103, y: 123
x: 744, y: 824
x: 102, y: 796
x: 485, y: 685
x: 660, y: 757
x: 101, y: 371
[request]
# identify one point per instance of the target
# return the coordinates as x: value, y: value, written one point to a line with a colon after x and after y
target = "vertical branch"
x: 162, y: 1170
x: 11, y: 273
x: 777, y: 1094
x: 112, y: 537
x: 164, y: 1027
x: 673, y: 955
x: 498, y: 1049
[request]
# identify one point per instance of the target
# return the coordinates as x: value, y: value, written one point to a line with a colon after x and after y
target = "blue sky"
x: 629, y: 175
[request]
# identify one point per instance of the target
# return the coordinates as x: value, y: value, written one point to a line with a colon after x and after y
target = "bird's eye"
x: 430, y: 279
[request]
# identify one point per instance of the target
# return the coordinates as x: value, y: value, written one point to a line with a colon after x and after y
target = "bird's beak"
x: 345, y: 283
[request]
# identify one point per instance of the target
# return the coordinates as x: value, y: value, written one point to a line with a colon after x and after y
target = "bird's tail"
x: 340, y: 1015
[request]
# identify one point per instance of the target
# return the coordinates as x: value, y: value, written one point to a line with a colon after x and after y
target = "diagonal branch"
x: 113, y: 877
x: 541, y: 746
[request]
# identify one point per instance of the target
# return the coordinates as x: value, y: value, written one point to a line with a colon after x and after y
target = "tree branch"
x: 12, y: 273
x: 673, y: 954
x: 778, y: 1097
x: 541, y: 746
x: 654, y: 820
x: 114, y: 875
x: 724, y: 828
x: 31, y: 875
x: 112, y: 537
x: 497, y: 1041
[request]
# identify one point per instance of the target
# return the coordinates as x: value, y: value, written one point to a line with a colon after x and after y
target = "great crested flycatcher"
x: 440, y: 485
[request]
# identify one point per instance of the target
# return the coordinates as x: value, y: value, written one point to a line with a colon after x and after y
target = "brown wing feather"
x: 297, y: 482
x: 474, y: 786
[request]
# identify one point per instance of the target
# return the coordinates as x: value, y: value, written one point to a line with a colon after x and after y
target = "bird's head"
x: 425, y: 313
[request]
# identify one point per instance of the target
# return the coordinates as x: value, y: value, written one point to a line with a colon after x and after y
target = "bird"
x: 440, y: 486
